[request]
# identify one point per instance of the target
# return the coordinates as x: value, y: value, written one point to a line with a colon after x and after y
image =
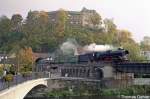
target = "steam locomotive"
x: 119, y: 55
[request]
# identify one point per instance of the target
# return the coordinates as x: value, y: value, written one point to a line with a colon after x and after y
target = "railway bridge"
x: 100, y: 70
x: 133, y: 67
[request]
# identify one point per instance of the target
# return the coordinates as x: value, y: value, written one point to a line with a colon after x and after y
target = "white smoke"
x: 69, y: 47
x: 93, y: 47
x: 96, y: 48
x: 72, y: 47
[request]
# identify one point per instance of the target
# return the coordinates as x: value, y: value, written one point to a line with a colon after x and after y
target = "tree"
x: 145, y: 44
x: 36, y: 29
x: 16, y: 21
x: 61, y: 24
x: 134, y: 51
x: 111, y: 31
x: 5, y: 25
x: 5, y: 29
x: 1, y: 71
x: 95, y: 19
x: 124, y: 36
x: 26, y: 58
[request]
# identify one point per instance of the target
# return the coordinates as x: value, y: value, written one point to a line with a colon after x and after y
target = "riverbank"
x: 82, y: 91
x: 71, y: 92
x: 128, y: 91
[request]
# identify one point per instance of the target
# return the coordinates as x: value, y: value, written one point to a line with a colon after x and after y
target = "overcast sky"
x: 133, y: 15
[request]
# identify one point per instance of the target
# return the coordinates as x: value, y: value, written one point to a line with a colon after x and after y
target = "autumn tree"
x: 61, y: 24
x: 25, y: 59
x: 124, y: 36
x: 125, y: 40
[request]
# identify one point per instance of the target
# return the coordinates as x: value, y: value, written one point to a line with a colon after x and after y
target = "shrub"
x: 8, y: 77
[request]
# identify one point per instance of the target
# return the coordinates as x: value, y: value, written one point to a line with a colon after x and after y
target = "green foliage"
x: 8, y: 77
x: 60, y: 25
x: 129, y: 91
x: 110, y: 31
x: 83, y: 90
x: 60, y: 93
x: 1, y: 71
x: 134, y: 51
x: 12, y: 69
x: 95, y: 19
x: 145, y: 44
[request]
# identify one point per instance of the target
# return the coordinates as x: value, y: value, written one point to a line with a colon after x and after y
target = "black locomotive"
x: 119, y: 55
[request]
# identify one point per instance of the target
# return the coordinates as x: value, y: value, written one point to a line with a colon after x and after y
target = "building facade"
x: 75, y: 18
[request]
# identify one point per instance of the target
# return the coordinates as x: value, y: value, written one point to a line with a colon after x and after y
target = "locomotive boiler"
x: 119, y: 55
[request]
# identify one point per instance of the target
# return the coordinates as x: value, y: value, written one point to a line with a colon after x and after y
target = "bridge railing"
x: 18, y: 79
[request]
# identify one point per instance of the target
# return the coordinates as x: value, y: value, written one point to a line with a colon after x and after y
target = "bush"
x: 8, y: 77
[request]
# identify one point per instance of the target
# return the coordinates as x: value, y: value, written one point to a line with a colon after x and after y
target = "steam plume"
x: 93, y: 47
x: 69, y: 47
x: 72, y: 47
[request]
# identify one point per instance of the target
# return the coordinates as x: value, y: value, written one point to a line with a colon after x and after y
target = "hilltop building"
x: 75, y: 18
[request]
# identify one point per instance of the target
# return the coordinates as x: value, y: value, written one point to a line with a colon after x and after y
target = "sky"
x: 132, y: 15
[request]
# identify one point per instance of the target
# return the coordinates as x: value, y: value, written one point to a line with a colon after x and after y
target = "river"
x: 86, y: 97
x: 79, y: 97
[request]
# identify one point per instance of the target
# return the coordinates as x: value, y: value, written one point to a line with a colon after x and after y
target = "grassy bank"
x: 129, y: 91
x: 71, y: 92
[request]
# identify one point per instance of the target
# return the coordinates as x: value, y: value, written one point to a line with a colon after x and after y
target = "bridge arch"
x: 21, y: 90
x: 33, y: 92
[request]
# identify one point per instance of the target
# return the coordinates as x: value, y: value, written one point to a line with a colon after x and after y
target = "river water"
x: 93, y: 97
x: 79, y: 97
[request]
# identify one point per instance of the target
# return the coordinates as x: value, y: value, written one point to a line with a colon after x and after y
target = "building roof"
x: 41, y: 55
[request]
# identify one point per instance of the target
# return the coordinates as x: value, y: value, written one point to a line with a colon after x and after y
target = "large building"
x: 75, y: 18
